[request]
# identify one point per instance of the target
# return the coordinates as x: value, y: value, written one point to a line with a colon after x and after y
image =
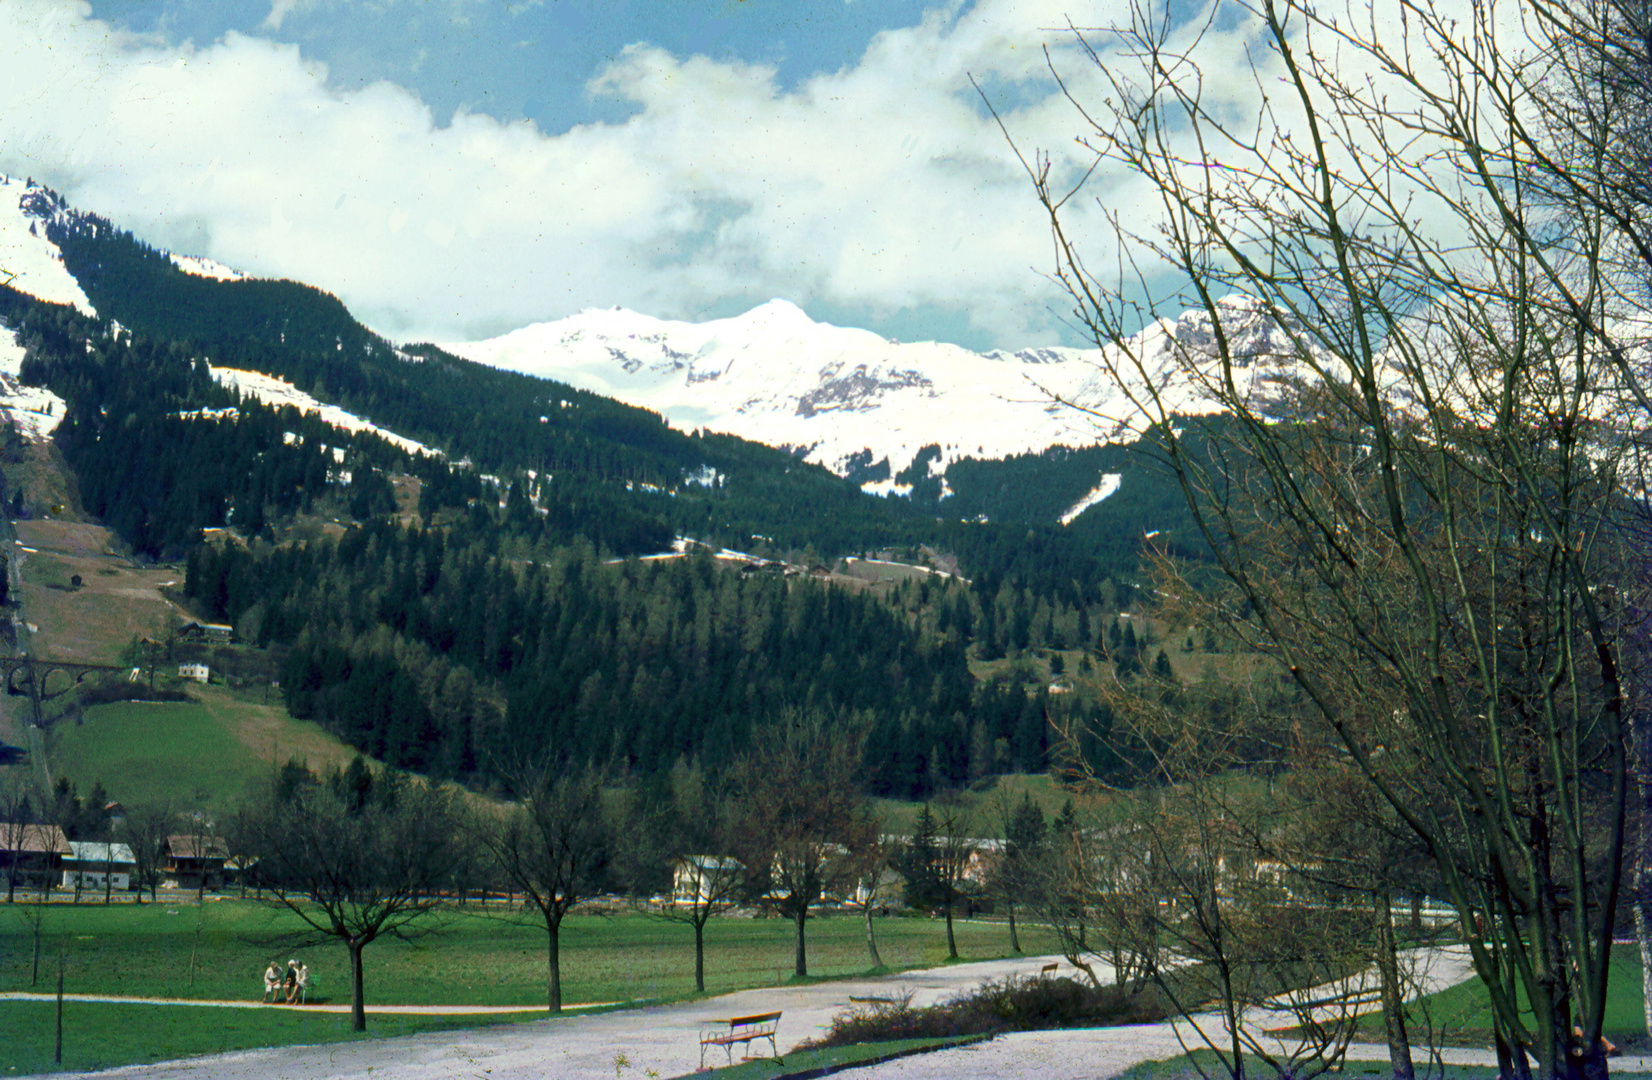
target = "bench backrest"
x: 754, y: 1021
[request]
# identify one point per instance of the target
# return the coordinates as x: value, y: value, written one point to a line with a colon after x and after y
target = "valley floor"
x: 662, y: 1041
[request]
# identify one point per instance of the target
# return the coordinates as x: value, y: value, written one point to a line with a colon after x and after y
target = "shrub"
x: 1011, y: 1004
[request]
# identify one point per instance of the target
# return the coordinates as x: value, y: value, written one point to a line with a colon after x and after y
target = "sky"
x: 454, y: 169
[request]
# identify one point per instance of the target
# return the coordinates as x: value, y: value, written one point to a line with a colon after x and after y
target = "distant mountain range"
x: 1030, y: 435
x: 860, y: 404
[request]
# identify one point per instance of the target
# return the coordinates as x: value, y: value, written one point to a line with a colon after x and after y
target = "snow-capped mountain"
x: 849, y: 398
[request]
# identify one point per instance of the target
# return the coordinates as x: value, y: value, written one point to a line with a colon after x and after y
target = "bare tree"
x: 800, y: 816
x: 144, y: 830
x: 691, y: 834
x: 1013, y: 878
x: 553, y: 844
x: 17, y: 808
x: 1444, y: 309
x: 356, y: 866
x: 871, y: 887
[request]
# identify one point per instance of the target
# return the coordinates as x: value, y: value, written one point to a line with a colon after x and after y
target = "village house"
x: 32, y: 855
x: 697, y: 880
x: 198, y: 672
x: 213, y: 633
x: 195, y: 862
x: 96, y: 866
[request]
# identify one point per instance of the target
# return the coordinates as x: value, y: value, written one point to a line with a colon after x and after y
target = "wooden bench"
x: 1047, y: 970
x: 739, y: 1029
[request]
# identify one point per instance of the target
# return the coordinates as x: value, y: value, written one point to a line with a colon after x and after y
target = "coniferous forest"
x: 511, y: 616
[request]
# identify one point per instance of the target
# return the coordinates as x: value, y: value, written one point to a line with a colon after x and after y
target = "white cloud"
x: 879, y: 187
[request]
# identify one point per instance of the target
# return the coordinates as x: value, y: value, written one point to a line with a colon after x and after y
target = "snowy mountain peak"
x: 852, y: 399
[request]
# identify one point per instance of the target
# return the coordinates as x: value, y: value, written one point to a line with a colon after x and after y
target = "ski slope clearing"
x: 29, y: 262
x: 279, y: 393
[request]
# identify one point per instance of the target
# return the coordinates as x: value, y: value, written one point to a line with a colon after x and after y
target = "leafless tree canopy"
x: 1426, y: 519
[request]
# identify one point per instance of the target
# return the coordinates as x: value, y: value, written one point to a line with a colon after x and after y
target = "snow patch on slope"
x: 201, y: 266
x: 279, y: 393
x: 29, y: 262
x: 1109, y: 484
x: 36, y: 410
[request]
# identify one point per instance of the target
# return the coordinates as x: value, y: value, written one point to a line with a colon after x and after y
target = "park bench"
x: 1047, y: 970
x: 739, y: 1029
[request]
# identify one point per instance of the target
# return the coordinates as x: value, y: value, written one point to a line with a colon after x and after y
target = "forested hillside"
x: 507, y: 618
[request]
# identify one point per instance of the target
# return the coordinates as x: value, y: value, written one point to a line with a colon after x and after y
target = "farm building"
x: 32, y: 855
x: 196, y: 862
x: 88, y: 865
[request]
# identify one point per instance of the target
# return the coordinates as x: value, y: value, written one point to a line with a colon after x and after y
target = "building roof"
x: 88, y: 852
x: 33, y: 838
x: 711, y: 862
x: 191, y: 846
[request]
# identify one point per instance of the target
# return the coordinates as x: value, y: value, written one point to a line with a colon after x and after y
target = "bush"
x: 1012, y: 1004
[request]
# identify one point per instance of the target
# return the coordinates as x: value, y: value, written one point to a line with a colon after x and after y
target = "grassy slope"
x: 116, y: 602
x: 195, y: 754
x: 980, y: 808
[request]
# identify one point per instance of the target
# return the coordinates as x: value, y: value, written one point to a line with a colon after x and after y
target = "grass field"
x: 471, y: 959
x: 1463, y: 1011
x: 1204, y: 1064
x: 218, y: 951
x: 99, y: 1036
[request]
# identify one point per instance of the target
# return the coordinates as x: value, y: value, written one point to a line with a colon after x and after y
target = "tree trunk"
x: 1643, y: 938
x: 1393, y: 999
x: 1015, y: 939
x: 699, y: 956
x: 358, y: 1000
x: 872, y: 937
x: 553, y: 965
x: 802, y: 958
x: 951, y: 941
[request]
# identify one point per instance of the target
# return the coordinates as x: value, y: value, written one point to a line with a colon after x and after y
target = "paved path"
x: 664, y: 1038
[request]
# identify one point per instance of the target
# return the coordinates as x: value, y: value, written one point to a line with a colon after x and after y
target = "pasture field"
x: 217, y: 951
x: 116, y: 601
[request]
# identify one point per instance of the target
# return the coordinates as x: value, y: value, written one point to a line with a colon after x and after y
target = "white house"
x: 703, y: 879
x: 90, y: 863
x: 198, y: 672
